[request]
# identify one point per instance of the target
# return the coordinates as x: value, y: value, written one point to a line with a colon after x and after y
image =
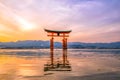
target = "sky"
x: 89, y: 20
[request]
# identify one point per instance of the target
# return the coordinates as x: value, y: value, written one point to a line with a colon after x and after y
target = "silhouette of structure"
x: 63, y: 65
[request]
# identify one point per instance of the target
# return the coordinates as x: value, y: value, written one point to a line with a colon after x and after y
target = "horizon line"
x: 58, y: 41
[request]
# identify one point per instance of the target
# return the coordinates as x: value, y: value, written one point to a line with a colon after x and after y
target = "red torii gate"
x: 64, y: 34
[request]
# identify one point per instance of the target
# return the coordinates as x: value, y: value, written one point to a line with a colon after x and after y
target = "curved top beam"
x: 58, y: 31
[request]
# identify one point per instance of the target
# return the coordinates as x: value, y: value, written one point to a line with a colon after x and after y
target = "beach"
x: 85, y: 66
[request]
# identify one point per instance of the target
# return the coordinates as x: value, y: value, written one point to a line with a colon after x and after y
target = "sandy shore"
x: 95, y: 67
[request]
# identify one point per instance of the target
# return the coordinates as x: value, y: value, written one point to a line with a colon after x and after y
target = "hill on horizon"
x: 45, y: 44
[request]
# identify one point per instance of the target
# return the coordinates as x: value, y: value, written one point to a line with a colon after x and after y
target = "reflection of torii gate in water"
x: 58, y: 66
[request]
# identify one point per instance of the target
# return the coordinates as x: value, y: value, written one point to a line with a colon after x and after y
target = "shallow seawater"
x: 28, y: 64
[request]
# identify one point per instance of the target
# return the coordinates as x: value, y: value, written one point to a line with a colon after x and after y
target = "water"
x: 18, y: 64
x: 45, y: 52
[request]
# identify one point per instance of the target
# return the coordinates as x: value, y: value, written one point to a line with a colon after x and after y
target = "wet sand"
x: 84, y: 67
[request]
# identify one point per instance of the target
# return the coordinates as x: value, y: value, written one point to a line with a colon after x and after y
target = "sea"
x: 20, y: 64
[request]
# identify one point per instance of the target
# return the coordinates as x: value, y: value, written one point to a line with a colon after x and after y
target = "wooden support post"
x: 64, y: 52
x: 66, y: 43
x: 64, y: 60
x: 52, y: 43
x: 66, y: 49
x: 52, y: 49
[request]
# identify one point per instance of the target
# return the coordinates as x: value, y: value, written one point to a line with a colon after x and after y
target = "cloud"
x: 85, y: 17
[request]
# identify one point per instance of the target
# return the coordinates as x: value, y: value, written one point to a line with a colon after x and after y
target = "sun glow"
x: 24, y: 24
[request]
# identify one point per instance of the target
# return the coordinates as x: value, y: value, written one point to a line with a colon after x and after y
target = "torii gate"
x: 52, y: 34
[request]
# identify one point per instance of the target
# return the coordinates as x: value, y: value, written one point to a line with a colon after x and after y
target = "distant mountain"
x: 112, y: 45
x: 45, y: 44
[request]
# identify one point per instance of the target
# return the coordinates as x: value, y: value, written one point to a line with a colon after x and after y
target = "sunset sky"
x: 89, y: 20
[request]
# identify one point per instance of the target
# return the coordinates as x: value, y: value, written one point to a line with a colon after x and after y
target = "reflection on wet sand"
x: 12, y: 67
x: 84, y: 65
x: 30, y: 70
